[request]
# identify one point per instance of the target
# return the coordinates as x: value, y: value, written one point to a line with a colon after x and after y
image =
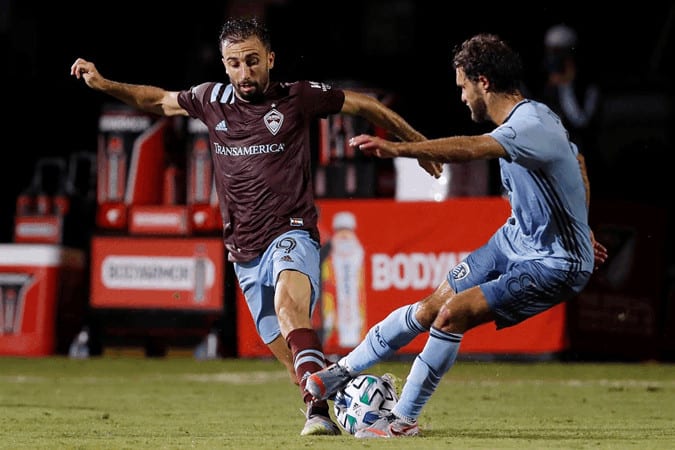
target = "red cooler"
x: 39, y: 284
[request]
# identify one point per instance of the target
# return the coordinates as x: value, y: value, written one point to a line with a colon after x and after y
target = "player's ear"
x: 270, y: 59
x: 484, y: 82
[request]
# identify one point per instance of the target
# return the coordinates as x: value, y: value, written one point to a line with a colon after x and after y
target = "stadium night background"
x: 400, y: 46
x: 615, y: 389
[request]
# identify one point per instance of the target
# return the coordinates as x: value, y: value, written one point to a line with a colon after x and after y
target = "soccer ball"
x: 363, y: 400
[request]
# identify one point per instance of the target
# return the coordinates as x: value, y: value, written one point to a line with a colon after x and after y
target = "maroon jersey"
x: 261, y: 156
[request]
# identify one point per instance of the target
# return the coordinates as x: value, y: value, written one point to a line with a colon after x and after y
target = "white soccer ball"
x: 363, y: 400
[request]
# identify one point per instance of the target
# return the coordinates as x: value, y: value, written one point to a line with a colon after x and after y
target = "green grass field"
x: 180, y: 403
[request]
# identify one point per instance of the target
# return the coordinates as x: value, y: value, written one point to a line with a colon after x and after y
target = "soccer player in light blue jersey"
x: 542, y: 255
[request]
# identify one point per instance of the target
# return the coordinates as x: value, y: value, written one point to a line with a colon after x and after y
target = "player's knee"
x: 444, y: 319
x: 454, y: 318
x: 427, y: 310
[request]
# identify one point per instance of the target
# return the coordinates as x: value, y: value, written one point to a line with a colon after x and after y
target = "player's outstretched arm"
x: 376, y: 112
x: 146, y: 98
x: 453, y: 149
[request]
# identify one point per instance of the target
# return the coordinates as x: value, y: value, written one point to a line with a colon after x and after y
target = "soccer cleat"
x: 326, y: 382
x: 387, y: 427
x: 319, y: 425
x: 394, y: 381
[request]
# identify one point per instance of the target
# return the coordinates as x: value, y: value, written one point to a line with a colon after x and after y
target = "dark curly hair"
x: 488, y: 55
x: 240, y: 29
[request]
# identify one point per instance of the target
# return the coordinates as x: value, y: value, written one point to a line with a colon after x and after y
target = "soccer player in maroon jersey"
x: 259, y: 132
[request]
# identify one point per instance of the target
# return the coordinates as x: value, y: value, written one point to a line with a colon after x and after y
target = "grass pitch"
x: 180, y: 403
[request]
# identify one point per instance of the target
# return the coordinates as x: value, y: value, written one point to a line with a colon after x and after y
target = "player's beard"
x: 478, y: 110
x: 250, y: 95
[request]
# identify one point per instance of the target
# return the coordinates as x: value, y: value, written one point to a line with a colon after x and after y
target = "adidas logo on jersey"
x: 222, y: 126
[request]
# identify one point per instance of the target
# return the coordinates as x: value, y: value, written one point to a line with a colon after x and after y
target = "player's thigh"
x: 296, y: 271
x: 529, y: 288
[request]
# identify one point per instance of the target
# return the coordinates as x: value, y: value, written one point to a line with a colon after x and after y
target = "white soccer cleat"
x: 387, y: 427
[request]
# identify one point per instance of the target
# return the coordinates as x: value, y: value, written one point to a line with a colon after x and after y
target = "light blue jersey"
x: 543, y: 254
x: 542, y: 177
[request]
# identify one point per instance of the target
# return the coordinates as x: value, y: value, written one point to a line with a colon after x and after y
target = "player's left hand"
x: 599, y: 252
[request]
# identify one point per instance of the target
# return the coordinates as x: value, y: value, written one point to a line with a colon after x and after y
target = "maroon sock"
x: 308, y: 358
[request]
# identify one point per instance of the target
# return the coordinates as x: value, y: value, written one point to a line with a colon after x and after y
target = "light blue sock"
x: 383, y: 339
x: 437, y: 357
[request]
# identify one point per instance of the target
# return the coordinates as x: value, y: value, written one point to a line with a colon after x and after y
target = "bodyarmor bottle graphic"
x: 347, y: 264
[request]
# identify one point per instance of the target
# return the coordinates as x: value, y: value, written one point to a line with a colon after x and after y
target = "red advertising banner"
x: 165, y: 273
x: 382, y: 254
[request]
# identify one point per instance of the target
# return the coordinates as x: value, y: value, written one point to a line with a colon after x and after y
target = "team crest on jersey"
x: 460, y: 271
x: 273, y: 121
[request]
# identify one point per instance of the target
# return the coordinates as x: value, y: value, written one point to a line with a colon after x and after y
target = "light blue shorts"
x: 294, y: 250
x: 515, y: 290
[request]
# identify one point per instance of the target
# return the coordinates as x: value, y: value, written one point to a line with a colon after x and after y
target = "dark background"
x: 403, y: 46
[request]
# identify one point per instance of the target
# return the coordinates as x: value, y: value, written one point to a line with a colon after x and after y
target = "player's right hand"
x: 83, y: 69
x: 433, y: 168
x: 373, y: 146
